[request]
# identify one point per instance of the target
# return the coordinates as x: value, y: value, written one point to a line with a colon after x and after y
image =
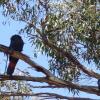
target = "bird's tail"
x: 11, y: 67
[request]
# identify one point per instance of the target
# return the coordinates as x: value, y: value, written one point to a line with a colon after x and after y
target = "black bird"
x: 16, y: 44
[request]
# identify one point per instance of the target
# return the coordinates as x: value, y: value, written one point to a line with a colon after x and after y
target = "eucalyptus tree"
x: 67, y: 32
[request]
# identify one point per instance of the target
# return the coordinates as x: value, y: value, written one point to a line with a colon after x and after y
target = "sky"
x: 5, y: 34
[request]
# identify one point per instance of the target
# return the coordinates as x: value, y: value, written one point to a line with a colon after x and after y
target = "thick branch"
x: 44, y: 95
x: 54, y: 81
x: 26, y: 59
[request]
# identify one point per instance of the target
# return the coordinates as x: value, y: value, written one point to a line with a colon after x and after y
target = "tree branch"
x: 26, y: 59
x: 54, y: 81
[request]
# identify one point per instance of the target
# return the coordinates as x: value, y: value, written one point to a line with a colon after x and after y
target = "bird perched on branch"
x: 16, y: 44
